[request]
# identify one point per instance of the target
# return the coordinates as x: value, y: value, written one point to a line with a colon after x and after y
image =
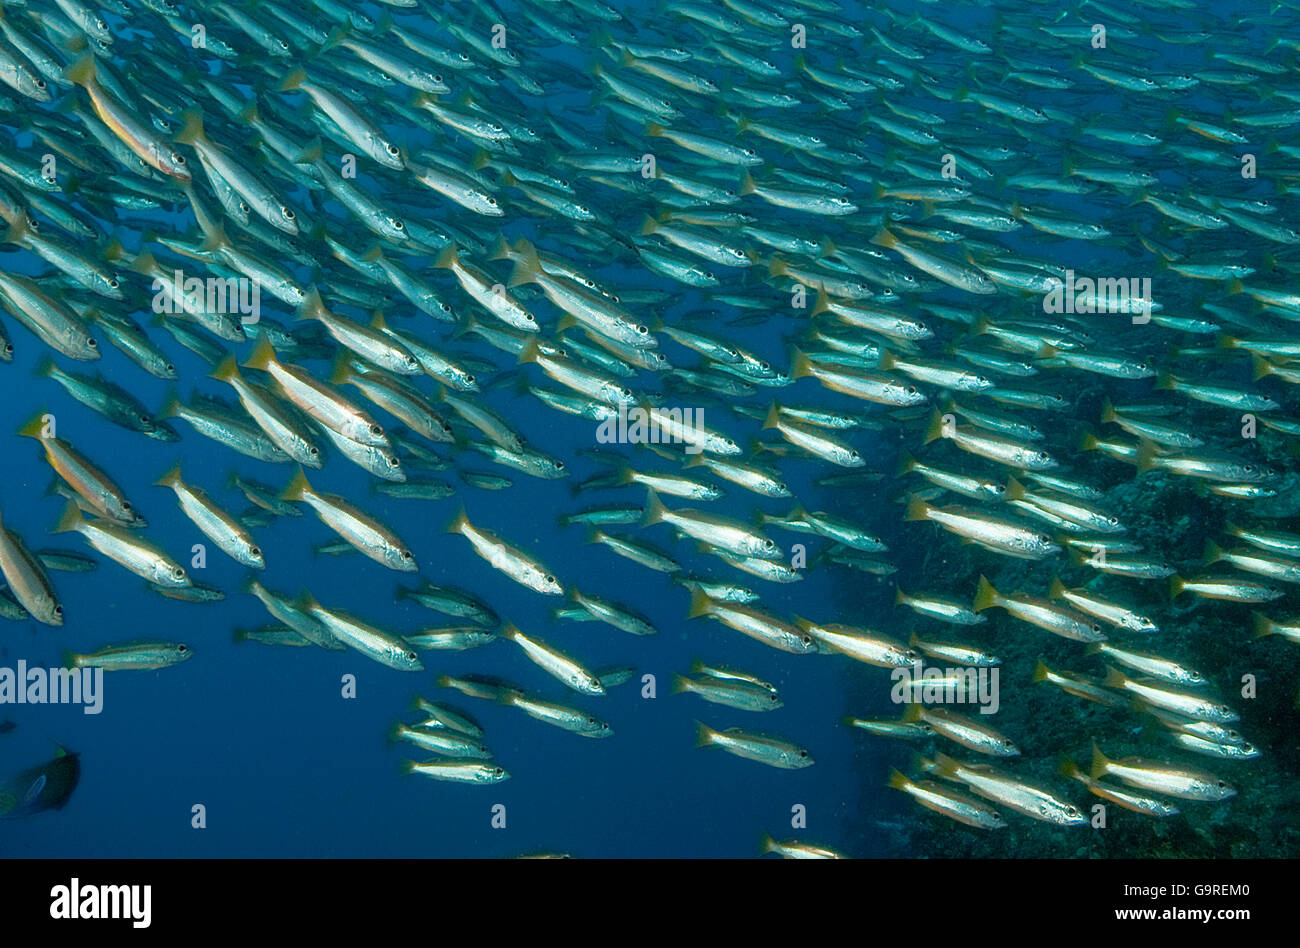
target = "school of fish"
x: 1024, y: 270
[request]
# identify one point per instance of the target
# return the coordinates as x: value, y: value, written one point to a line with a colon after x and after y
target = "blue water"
x: 284, y: 765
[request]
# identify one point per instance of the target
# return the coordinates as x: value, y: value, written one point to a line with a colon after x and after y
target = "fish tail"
x: 917, y: 509
x: 448, y: 258
x: 1068, y: 768
x: 1041, y: 671
x: 700, y: 604
x: 82, y: 72
x: 530, y: 351
x: 171, y: 478
x: 1262, y: 625
x: 800, y: 364
x: 70, y: 520
x: 458, y: 523
x: 336, y: 36
x: 884, y: 238
x: 293, y: 80
x: 986, y: 597
x: 298, y: 487
x: 897, y: 779
x: 34, y: 428
x: 192, y: 130
x: 1099, y: 762
x: 226, y: 369
x: 944, y: 766
x: 934, y: 430
x: 1146, y: 457
x: 262, y: 356
x: 773, y: 417
x: 703, y: 734
x: 527, y: 265
x: 654, y: 509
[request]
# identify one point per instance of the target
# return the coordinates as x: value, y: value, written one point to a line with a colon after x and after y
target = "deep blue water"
x: 285, y: 766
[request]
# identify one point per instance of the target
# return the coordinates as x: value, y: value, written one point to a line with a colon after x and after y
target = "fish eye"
x: 469, y: 378
x: 642, y: 330
x: 497, y: 771
x: 256, y: 551
x: 1249, y: 468
x: 437, y: 77
x: 178, y: 572
x: 100, y: 24
x: 40, y: 83
x: 492, y: 201
x: 803, y: 753
x: 313, y: 451
x: 126, y: 505
x: 287, y: 213
x: 92, y: 343
x: 112, y: 283
x: 179, y: 159
x: 997, y: 817
x: 376, y: 430
x: 182, y: 649
x: 1221, y: 783
x: 772, y: 697
x: 548, y: 579
x: 769, y: 544
x: 169, y: 367
x: 411, y: 657
x: 391, y: 149
x: 406, y: 554
x: 531, y: 319
x: 911, y: 390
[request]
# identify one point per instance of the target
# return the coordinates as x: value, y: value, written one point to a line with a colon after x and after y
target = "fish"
x: 773, y: 751
x: 132, y: 656
x: 506, y: 259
